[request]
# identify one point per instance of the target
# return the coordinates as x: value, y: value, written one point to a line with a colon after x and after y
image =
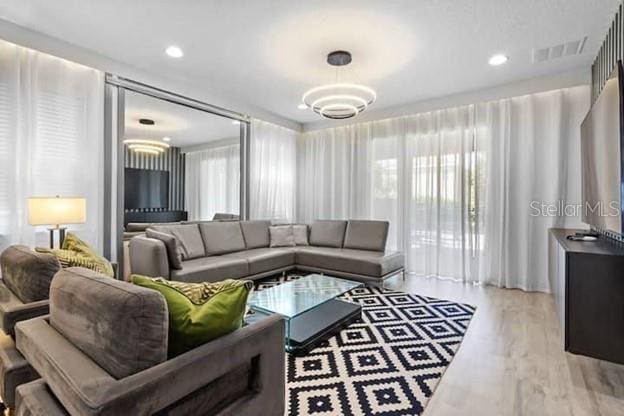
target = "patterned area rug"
x: 387, y: 364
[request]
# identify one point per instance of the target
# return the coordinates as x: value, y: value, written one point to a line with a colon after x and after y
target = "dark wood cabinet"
x: 154, y: 216
x: 587, y: 280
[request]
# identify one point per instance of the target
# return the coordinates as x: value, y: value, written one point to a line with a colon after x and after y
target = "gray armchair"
x: 24, y: 292
x: 103, y: 351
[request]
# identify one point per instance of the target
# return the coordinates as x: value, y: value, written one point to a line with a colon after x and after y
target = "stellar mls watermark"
x: 565, y: 209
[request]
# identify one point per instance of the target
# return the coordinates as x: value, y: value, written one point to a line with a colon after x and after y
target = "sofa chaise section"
x: 349, y: 263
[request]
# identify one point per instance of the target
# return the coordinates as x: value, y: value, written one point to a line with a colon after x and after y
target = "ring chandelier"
x: 151, y: 147
x: 339, y: 100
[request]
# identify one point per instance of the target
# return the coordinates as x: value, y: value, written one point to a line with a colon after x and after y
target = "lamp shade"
x: 56, y: 211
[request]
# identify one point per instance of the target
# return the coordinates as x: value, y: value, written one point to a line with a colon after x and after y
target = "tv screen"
x: 146, y: 189
x: 601, y: 158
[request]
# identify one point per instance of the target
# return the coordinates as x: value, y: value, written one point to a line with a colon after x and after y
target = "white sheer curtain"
x: 456, y: 184
x: 272, y: 171
x: 212, y: 182
x: 412, y: 171
x: 51, y: 140
x: 533, y: 155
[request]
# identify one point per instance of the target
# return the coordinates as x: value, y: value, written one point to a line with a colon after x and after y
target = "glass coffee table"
x: 310, y: 308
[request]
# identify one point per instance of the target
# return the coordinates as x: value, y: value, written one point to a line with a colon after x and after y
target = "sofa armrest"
x: 86, y: 389
x: 148, y: 257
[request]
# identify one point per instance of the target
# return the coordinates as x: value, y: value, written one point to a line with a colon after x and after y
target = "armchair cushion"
x: 195, y: 320
x: 27, y: 273
x: 121, y: 327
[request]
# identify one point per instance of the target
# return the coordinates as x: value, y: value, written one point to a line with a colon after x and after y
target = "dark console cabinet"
x: 587, y: 279
x: 154, y: 216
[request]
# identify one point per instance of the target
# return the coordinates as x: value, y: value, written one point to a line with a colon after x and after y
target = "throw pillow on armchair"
x: 77, y: 253
x: 199, y: 312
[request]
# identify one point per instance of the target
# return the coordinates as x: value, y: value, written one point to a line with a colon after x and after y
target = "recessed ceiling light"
x: 166, y: 139
x: 302, y: 106
x: 498, y: 59
x: 235, y: 122
x: 174, y: 51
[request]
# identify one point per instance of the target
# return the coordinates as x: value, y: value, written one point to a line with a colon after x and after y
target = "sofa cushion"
x: 361, y: 262
x: 261, y: 260
x: 282, y: 236
x: 174, y: 251
x: 327, y: 233
x: 120, y: 326
x: 222, y: 237
x: 366, y: 235
x: 211, y: 269
x: 27, y: 273
x: 256, y: 233
x: 300, y: 232
x: 193, y: 324
x: 189, y: 239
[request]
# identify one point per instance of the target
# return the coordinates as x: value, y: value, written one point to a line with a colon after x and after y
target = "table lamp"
x: 56, y: 211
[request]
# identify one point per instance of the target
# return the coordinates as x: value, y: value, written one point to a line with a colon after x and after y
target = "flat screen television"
x: 146, y: 189
x: 601, y: 157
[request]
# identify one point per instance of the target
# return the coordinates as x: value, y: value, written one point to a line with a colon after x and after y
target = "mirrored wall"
x: 173, y: 159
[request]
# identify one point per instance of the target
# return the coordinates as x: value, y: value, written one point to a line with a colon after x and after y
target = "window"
x: 51, y: 118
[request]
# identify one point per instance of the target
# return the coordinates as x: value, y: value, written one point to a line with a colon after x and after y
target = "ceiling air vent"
x: 562, y: 50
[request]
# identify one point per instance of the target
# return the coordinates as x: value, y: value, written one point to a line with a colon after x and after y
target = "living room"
x: 312, y: 208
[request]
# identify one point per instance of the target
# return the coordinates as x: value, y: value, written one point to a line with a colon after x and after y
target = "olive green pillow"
x: 69, y: 258
x: 199, y: 312
x: 74, y: 243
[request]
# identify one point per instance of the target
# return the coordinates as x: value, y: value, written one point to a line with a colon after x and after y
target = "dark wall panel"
x: 172, y: 160
x: 610, y: 52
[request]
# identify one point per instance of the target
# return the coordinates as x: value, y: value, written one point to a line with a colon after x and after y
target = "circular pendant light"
x: 339, y: 100
x: 151, y: 147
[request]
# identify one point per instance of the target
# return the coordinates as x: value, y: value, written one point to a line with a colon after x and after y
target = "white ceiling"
x: 184, y: 126
x: 268, y: 52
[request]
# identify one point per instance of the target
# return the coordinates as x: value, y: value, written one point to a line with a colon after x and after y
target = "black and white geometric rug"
x: 387, y: 364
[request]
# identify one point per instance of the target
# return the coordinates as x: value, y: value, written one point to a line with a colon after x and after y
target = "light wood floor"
x: 511, y: 361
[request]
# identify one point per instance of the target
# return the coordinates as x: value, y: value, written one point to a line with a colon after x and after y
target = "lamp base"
x: 61, y: 231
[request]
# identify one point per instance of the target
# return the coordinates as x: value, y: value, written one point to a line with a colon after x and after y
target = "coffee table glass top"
x: 293, y: 298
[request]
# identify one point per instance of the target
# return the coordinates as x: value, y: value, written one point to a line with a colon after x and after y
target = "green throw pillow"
x: 199, y: 312
x: 74, y: 243
x: 69, y: 258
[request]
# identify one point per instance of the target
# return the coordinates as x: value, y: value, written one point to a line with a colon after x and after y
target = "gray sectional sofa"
x: 213, y: 251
